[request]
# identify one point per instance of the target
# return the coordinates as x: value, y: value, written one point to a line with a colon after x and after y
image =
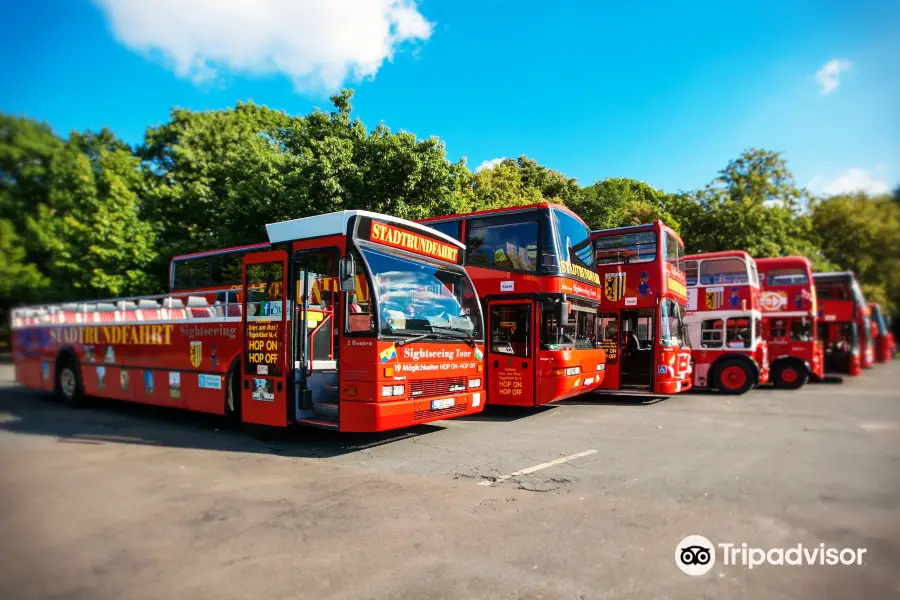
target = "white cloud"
x: 489, y: 164
x: 852, y: 180
x: 828, y: 77
x: 317, y: 43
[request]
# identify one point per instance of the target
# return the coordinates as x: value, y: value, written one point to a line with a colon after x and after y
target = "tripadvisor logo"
x: 696, y: 555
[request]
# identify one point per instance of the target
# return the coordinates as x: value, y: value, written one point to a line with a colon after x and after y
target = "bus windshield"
x: 420, y: 297
x: 671, y: 324
x: 573, y: 240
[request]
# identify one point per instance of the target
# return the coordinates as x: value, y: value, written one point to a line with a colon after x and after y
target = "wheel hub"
x: 67, y: 382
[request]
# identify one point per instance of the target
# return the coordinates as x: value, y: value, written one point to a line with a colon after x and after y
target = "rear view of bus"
x: 844, y: 325
x: 725, y: 323
x: 642, y: 309
x: 788, y: 305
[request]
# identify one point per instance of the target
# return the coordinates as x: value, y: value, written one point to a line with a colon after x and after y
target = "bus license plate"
x: 443, y: 403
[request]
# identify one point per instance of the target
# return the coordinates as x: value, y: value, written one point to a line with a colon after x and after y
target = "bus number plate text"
x: 442, y: 403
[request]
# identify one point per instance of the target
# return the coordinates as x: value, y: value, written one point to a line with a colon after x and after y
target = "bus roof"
x: 724, y: 254
x: 783, y: 262
x: 634, y: 229
x: 336, y: 224
x: 203, y: 253
x: 504, y: 210
x: 835, y: 276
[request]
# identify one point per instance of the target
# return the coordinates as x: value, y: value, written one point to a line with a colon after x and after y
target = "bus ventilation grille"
x: 437, y: 387
x: 421, y: 415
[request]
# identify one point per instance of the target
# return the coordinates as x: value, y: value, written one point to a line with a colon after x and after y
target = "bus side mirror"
x: 347, y: 274
x: 563, y: 316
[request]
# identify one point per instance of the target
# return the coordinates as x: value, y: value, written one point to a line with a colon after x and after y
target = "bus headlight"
x: 392, y: 390
x: 569, y: 371
x: 601, y: 367
x: 474, y: 383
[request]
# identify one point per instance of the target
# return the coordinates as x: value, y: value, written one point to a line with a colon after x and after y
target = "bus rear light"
x: 474, y: 383
x: 392, y: 390
x: 569, y: 371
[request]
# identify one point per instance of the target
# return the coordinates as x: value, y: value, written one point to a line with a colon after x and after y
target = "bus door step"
x: 326, y: 410
x: 321, y: 423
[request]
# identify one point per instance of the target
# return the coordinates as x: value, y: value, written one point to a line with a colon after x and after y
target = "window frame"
x: 718, y: 326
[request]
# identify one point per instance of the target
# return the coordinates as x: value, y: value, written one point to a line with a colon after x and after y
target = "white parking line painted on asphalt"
x: 545, y: 465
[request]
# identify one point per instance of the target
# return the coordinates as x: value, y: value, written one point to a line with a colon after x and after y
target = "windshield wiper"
x: 469, y: 339
x: 415, y: 338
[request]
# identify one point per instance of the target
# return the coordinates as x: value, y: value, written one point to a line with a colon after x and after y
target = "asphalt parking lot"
x: 586, y: 499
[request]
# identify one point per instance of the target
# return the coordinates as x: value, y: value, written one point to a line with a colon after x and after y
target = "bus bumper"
x: 384, y: 416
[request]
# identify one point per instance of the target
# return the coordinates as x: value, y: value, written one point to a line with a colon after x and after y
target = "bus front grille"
x: 456, y: 409
x: 437, y: 387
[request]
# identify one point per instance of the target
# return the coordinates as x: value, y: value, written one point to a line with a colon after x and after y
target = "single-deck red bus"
x: 844, y: 325
x: 534, y: 272
x: 642, y: 309
x: 788, y: 305
x: 729, y: 351
x: 407, y: 350
x: 884, y: 338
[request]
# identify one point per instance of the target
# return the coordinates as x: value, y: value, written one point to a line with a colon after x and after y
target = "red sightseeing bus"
x: 534, y: 272
x: 405, y: 351
x: 788, y: 304
x: 642, y: 309
x: 844, y: 325
x: 725, y: 323
x: 884, y: 338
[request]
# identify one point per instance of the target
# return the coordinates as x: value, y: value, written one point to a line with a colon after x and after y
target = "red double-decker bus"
x: 642, y: 309
x: 352, y: 321
x: 788, y: 305
x: 881, y: 333
x: 844, y: 325
x: 534, y: 271
x: 729, y: 351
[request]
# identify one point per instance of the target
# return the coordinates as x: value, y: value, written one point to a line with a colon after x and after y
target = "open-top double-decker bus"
x: 302, y: 345
x: 844, y: 325
x: 642, y: 308
x: 534, y: 272
x: 725, y: 323
x: 881, y: 333
x: 788, y: 305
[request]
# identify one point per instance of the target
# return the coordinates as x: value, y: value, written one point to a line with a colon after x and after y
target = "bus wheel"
x: 68, y: 382
x: 733, y: 377
x: 789, y: 375
x: 233, y: 397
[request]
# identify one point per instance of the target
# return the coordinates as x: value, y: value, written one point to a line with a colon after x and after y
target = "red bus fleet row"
x: 357, y: 321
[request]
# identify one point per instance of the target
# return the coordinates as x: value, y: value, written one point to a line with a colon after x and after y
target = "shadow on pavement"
x: 108, y: 421
x: 505, y: 414
x: 615, y: 399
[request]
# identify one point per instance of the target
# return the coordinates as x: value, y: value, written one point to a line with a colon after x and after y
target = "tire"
x: 734, y: 377
x: 233, y: 397
x: 790, y: 375
x: 68, y: 385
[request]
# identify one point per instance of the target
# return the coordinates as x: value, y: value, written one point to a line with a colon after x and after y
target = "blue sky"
x: 656, y: 91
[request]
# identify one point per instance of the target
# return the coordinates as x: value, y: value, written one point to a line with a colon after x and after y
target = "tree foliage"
x: 88, y: 216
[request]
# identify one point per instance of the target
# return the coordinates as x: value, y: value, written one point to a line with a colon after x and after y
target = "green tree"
x: 618, y: 202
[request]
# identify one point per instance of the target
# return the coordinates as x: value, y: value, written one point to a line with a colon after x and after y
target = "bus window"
x: 673, y: 249
x: 226, y: 269
x: 738, y: 333
x: 628, y: 248
x: 778, y: 329
x: 360, y: 318
x: 192, y: 273
x: 580, y: 333
x: 499, y: 242
x: 723, y: 270
x: 801, y: 329
x: 689, y: 268
x: 450, y: 228
x: 711, y: 333
x: 671, y: 324
x: 509, y: 329
x: 795, y: 276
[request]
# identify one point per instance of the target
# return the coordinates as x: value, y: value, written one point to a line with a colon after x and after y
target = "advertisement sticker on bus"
x: 405, y: 240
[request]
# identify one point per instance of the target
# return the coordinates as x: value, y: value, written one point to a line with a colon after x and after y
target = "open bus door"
x: 636, y: 347
x: 263, y: 385
x: 510, y: 353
